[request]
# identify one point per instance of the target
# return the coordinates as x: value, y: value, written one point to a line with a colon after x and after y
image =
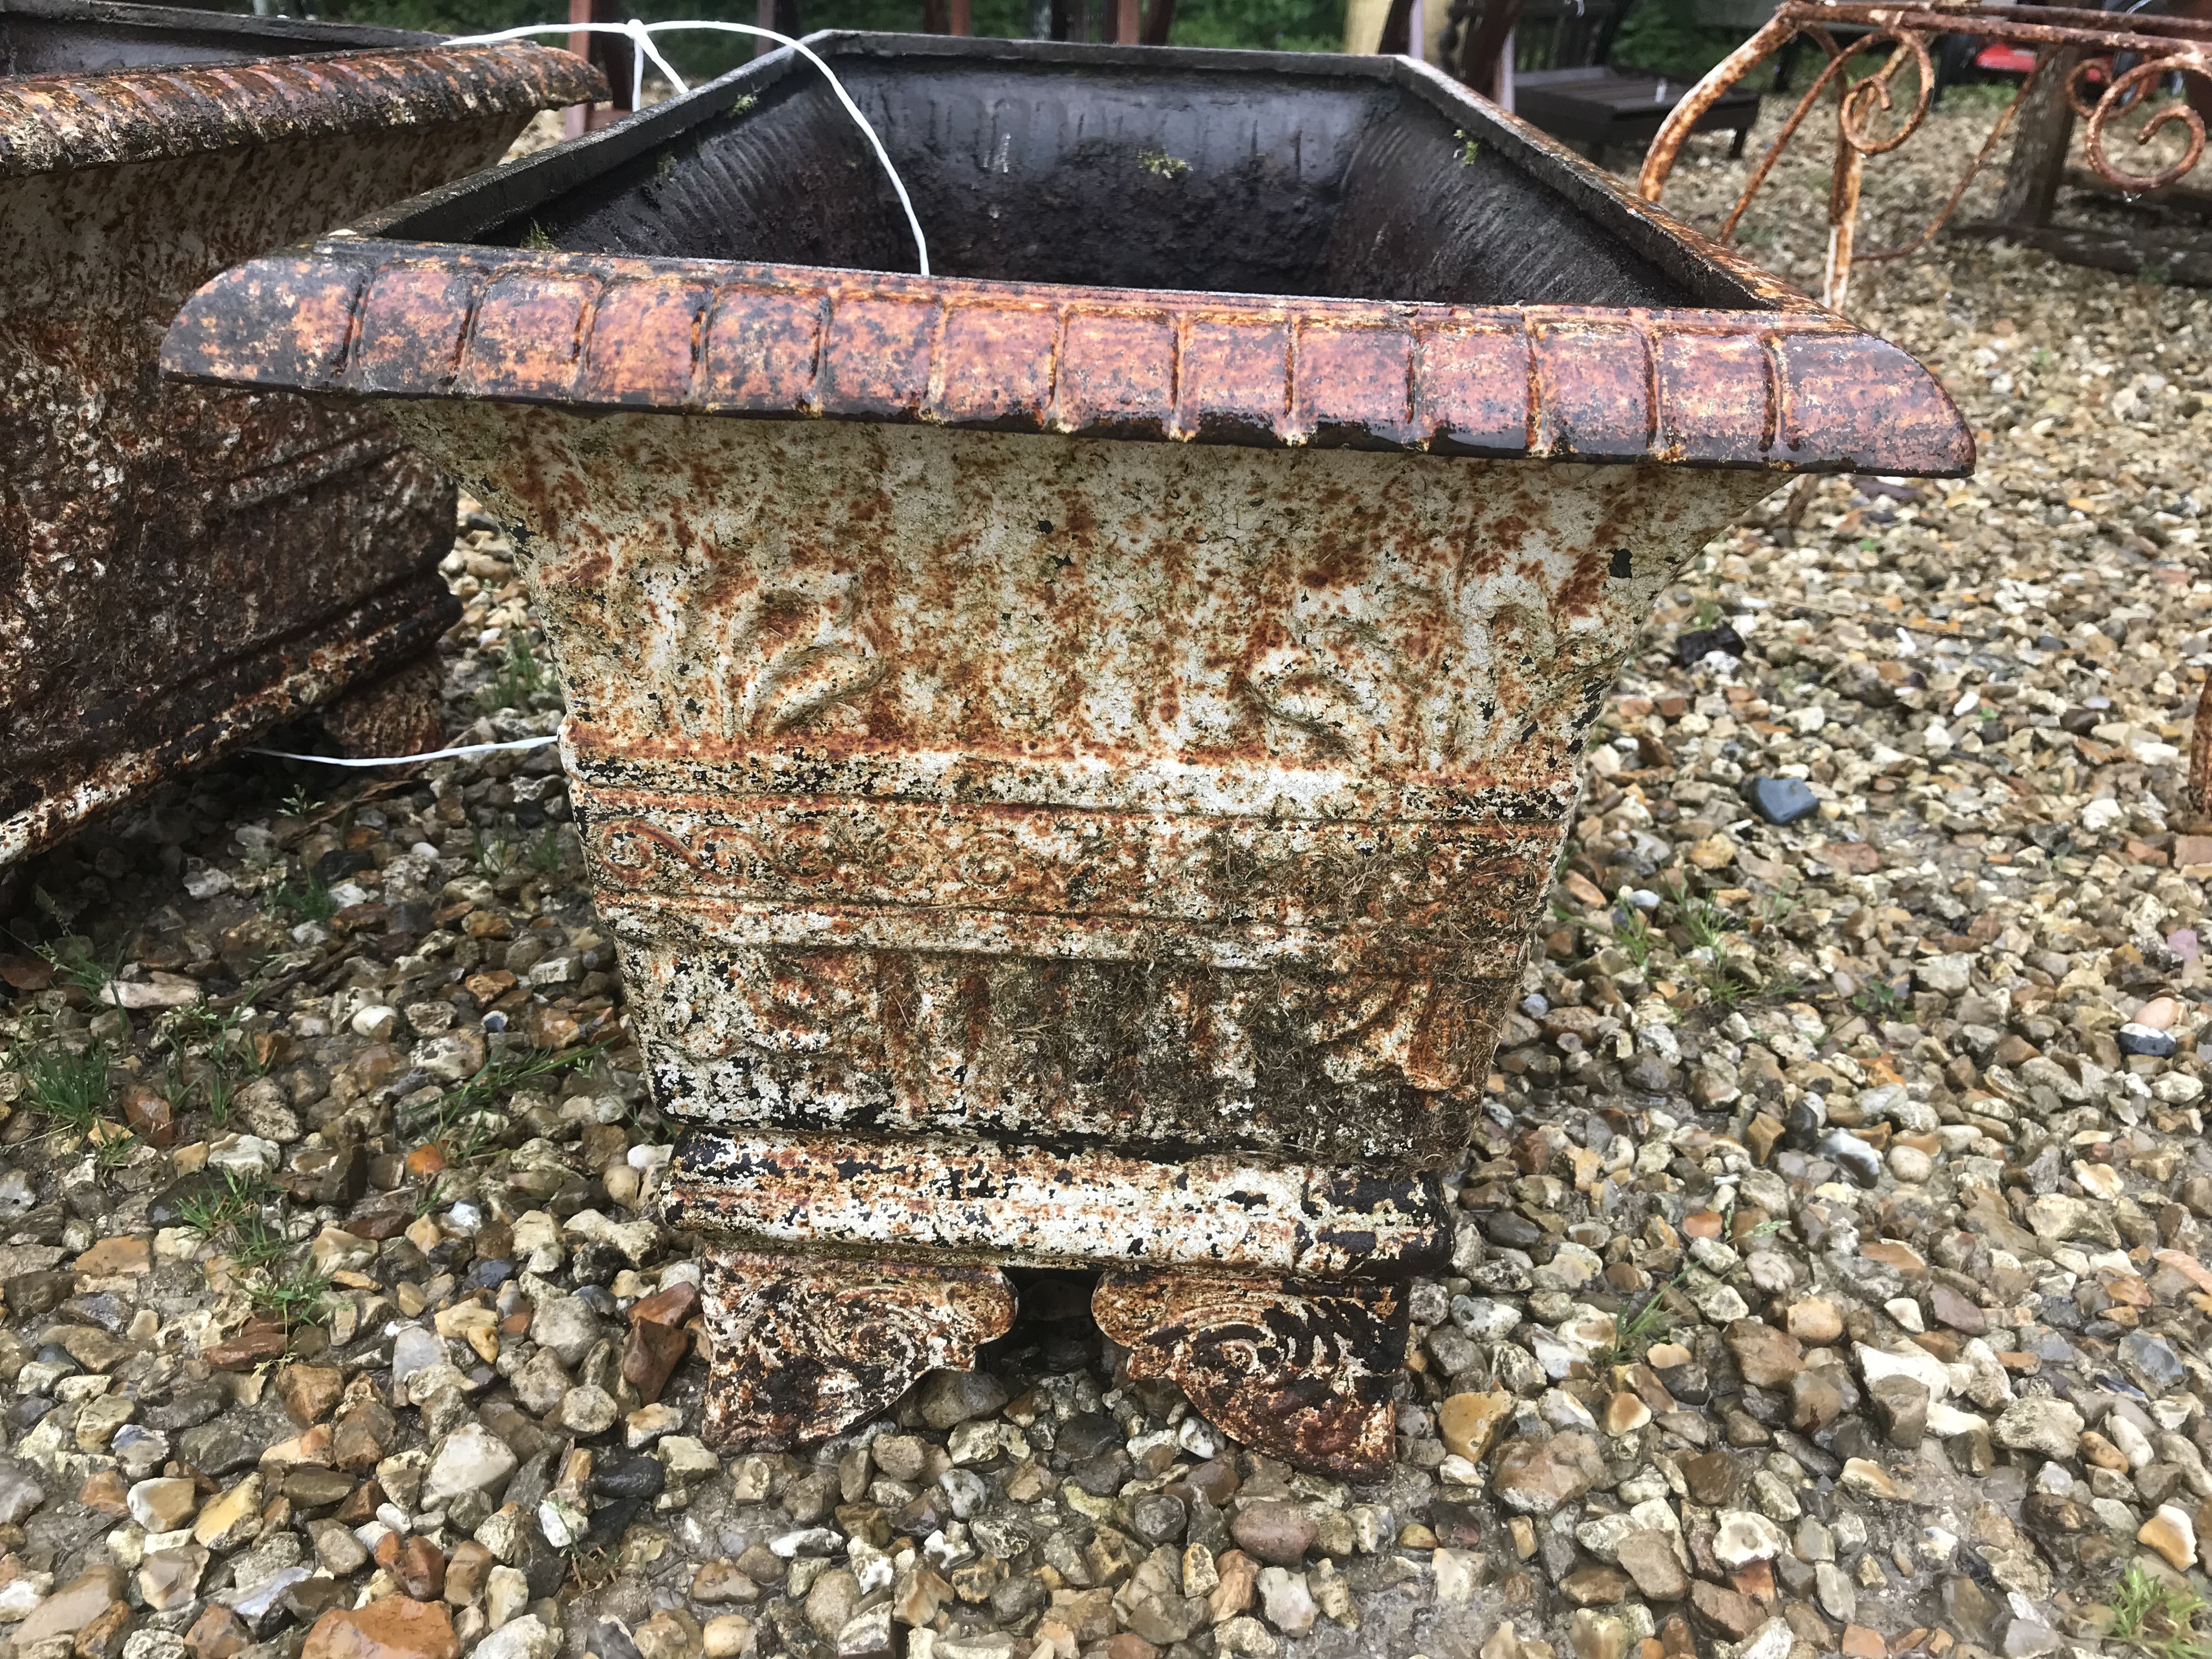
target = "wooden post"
x: 1487, y: 38
x: 1126, y: 24
x: 612, y: 53
x: 2039, y: 141
x: 1397, y: 29
x: 1159, y: 18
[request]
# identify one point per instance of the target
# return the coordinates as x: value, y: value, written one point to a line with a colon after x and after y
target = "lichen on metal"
x: 182, y: 567
x: 1070, y: 765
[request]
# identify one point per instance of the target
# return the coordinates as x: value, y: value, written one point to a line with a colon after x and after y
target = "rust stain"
x: 1551, y: 382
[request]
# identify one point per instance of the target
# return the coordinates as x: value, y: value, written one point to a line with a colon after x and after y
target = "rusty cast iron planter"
x: 1071, y: 748
x: 182, y: 569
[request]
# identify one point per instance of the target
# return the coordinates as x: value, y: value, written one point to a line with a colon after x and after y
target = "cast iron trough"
x: 181, y: 569
x: 1072, y: 747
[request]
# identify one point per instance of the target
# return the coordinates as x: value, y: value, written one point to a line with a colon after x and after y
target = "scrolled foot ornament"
x: 1300, y: 1369
x: 807, y: 1345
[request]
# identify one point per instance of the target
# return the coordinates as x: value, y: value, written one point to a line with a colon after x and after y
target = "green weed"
x: 1704, y: 922
x: 519, y: 677
x: 1468, y: 148
x: 492, y: 855
x: 212, y: 1214
x: 73, y: 963
x: 545, y: 852
x: 300, y: 804
x: 254, y: 1245
x: 536, y: 239
x: 466, y: 1117
x: 1879, y: 998
x: 1634, y: 936
x: 1161, y: 165
x: 2159, y: 1618
x: 1632, y: 1338
x: 308, y: 899
x: 298, y: 1297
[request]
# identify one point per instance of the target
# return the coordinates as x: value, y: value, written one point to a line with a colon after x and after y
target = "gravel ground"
x: 1829, y: 1278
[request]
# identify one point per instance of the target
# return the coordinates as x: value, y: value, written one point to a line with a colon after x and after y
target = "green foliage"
x: 492, y: 855
x: 1161, y: 165
x: 1468, y: 148
x: 1878, y: 999
x: 464, y: 1120
x: 254, y: 1245
x: 212, y: 1212
x: 297, y: 1297
x: 1634, y: 936
x: 2159, y: 1618
x: 1632, y: 1338
x: 1268, y: 25
x: 73, y: 962
x: 547, y: 855
x: 1665, y: 37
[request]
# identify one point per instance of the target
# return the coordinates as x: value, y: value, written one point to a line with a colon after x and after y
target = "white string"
x: 640, y: 34
x: 406, y: 760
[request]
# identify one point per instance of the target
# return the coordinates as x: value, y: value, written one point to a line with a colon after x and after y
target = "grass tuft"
x: 518, y: 678
x: 297, y: 1297
x: 70, y: 1089
x: 308, y: 899
x: 2159, y: 1618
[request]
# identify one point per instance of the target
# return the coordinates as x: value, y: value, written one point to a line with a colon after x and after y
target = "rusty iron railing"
x: 180, y: 568
x: 2071, y: 45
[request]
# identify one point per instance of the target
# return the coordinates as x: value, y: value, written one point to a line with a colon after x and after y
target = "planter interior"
x: 1072, y: 747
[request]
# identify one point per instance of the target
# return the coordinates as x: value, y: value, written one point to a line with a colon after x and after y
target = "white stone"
x: 1287, y: 1602
x: 1912, y: 1361
x: 506, y: 1592
x: 525, y: 1638
x: 472, y: 1459
x: 1745, y: 1536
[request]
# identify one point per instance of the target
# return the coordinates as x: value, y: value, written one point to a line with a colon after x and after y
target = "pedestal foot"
x: 807, y: 1345
x: 1300, y: 1369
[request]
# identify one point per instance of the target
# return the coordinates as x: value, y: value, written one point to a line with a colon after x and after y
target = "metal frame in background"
x: 2067, y: 42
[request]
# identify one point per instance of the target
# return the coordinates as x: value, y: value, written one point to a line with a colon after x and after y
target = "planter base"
x: 1298, y: 1370
x: 806, y: 1347
x: 1026, y: 1206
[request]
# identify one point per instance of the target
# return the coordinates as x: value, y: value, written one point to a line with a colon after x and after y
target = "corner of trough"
x: 283, y: 320
x: 1859, y: 404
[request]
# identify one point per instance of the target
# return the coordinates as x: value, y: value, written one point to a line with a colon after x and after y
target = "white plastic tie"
x: 409, y: 760
x: 640, y: 34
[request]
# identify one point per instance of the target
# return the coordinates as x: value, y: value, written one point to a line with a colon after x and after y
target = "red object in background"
x: 2003, y: 59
